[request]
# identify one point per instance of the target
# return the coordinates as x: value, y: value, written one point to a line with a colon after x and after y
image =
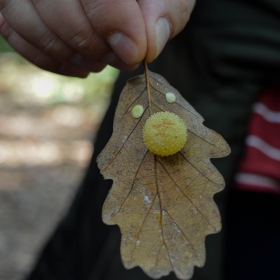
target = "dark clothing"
x: 227, y: 54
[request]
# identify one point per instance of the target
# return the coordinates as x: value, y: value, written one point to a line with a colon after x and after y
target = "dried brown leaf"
x: 163, y: 205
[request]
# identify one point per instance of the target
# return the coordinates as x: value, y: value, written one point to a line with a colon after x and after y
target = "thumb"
x: 121, y: 24
x: 164, y: 19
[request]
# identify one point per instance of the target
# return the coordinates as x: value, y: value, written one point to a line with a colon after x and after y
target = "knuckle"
x: 47, y: 43
x: 82, y: 42
x: 52, y: 46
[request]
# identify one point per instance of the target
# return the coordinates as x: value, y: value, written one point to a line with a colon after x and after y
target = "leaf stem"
x: 148, y: 86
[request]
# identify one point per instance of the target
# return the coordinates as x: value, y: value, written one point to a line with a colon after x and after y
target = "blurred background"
x: 47, y: 125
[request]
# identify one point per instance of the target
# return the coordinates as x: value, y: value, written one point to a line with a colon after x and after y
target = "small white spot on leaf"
x: 170, y: 97
x: 146, y: 198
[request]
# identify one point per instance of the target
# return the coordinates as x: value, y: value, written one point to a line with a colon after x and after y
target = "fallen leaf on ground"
x: 163, y: 205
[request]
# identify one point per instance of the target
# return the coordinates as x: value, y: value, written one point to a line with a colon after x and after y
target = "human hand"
x: 75, y: 37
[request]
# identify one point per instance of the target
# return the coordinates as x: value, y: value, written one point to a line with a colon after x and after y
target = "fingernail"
x: 162, y: 33
x: 124, y: 47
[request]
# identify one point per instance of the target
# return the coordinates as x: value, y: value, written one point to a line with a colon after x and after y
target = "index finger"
x: 121, y: 24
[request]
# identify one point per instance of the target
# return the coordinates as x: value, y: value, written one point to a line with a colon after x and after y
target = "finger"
x: 67, y: 19
x: 164, y: 19
x: 36, y: 56
x: 121, y: 24
x: 24, y: 19
x: 113, y: 60
x: 22, y: 16
x: 87, y: 64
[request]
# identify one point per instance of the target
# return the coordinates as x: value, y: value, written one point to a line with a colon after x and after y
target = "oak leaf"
x: 163, y: 205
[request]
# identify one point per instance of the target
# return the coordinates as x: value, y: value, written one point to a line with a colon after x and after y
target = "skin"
x: 76, y: 37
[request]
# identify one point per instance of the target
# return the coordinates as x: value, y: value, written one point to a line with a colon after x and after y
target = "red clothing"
x: 259, y: 169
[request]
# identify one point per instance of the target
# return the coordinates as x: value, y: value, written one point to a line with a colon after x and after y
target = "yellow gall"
x: 137, y: 111
x: 164, y: 133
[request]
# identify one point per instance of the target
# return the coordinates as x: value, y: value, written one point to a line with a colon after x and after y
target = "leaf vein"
x: 198, y: 169
x: 115, y: 156
x: 132, y: 183
x: 161, y: 218
x: 132, y: 103
x: 152, y: 204
x: 186, y: 195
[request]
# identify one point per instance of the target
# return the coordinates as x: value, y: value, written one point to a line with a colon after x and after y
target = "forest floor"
x: 47, y: 124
